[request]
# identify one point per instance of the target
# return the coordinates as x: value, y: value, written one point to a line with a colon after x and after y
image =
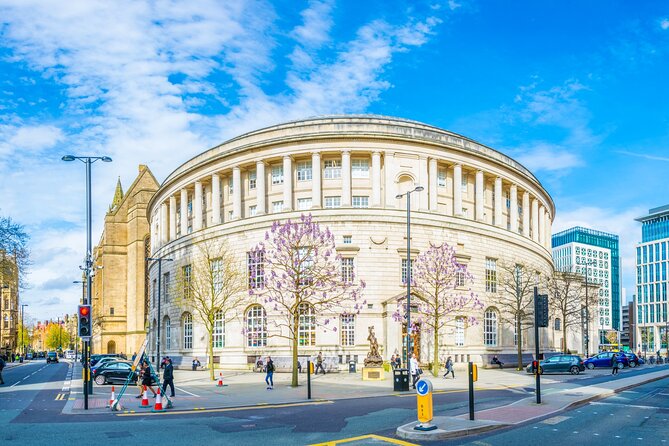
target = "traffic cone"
x: 158, y: 407
x: 220, y: 380
x: 145, y: 400
x: 112, y: 398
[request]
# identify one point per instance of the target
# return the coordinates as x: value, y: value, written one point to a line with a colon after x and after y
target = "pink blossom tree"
x: 440, y: 287
x: 301, y: 275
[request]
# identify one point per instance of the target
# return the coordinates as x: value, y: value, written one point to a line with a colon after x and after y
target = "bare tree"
x: 212, y: 286
x: 14, y: 253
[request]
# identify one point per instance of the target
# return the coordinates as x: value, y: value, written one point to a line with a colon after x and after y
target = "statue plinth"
x: 373, y: 374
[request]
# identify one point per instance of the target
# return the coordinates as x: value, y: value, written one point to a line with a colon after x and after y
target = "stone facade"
x: 10, y: 317
x: 119, y: 291
x: 347, y: 171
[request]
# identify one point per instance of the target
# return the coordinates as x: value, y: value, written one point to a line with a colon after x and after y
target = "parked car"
x: 117, y: 372
x: 604, y: 360
x: 29, y: 356
x: 102, y: 361
x: 97, y: 357
x: 51, y: 357
x: 560, y: 364
x: 633, y: 359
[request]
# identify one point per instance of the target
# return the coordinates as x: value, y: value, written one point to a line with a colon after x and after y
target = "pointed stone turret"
x: 118, y: 196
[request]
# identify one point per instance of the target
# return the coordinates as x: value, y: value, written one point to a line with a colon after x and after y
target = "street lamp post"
x: 160, y: 261
x: 399, y: 196
x: 23, y: 330
x: 88, y: 160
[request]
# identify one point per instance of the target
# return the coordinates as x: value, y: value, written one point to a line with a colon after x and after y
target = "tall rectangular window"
x: 460, y: 331
x: 277, y: 206
x: 230, y: 189
x: 347, y: 271
x: 277, y: 174
x: 404, y: 270
x: 441, y: 178
x: 459, y: 278
x: 360, y: 168
x: 219, y: 330
x: 188, y: 331
x: 490, y: 328
x: 166, y: 287
x: 464, y: 182
x: 490, y: 275
x: 168, y: 334
x: 253, y: 210
x: 332, y: 169
x: 332, y: 202
x: 348, y: 330
x: 255, y: 267
x: 359, y: 201
x: 252, y: 179
x: 186, y: 285
x: 304, y: 172
x: 306, y: 330
x: 154, y: 291
x: 216, y: 266
x: 304, y: 204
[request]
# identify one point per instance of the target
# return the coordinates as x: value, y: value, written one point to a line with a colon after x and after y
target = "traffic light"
x: 85, y: 326
x: 535, y: 366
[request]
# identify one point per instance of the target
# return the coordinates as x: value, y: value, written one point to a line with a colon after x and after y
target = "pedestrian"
x: 134, y: 355
x: 392, y: 361
x: 195, y: 364
x: 398, y: 362
x: 614, y: 364
x: 414, y: 369
x: 168, y: 376
x: 659, y: 357
x: 299, y: 367
x: 495, y: 360
x: 449, y: 367
x: 139, y: 372
x: 269, y: 377
x: 319, y: 363
x: 146, y: 379
x: 2, y: 366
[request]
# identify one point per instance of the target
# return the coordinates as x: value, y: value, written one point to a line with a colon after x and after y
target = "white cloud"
x: 664, y: 23
x: 28, y: 138
x: 546, y: 157
x: 317, y: 22
x: 644, y: 156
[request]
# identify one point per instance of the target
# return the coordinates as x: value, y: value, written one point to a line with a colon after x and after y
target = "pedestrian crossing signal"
x: 85, y: 326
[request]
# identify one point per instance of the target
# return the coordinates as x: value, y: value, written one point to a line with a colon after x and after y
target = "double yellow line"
x: 61, y: 397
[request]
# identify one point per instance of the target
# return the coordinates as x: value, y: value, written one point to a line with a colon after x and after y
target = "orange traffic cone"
x: 220, y: 380
x: 158, y: 407
x: 112, y: 398
x: 145, y: 400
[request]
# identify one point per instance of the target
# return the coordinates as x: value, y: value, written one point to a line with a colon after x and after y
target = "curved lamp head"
x: 106, y: 159
x: 419, y: 189
x: 398, y: 196
x: 68, y: 158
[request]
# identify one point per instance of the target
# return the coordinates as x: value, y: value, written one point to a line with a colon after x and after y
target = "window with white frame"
x: 490, y: 275
x: 277, y: 174
x: 216, y: 266
x: 347, y: 271
x: 441, y: 178
x: 332, y: 169
x: 253, y: 210
x: 490, y: 328
x: 230, y: 215
x: 558, y: 324
x: 306, y: 330
x: 359, y: 168
x: 256, y: 326
x: 332, y: 202
x: 348, y: 330
x: 255, y: 267
x: 460, y: 278
x: 304, y: 172
x: 404, y: 270
x: 230, y: 188
x: 252, y: 179
x: 189, y: 206
x: 360, y: 201
x: 219, y: 330
x: 348, y: 239
x: 166, y: 287
x: 188, y: 331
x: 305, y: 265
x: 277, y: 206
x: 464, y: 182
x: 460, y: 331
x: 304, y: 204
x: 168, y: 333
x: 186, y: 271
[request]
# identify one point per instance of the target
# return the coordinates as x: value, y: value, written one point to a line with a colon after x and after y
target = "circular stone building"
x: 347, y: 171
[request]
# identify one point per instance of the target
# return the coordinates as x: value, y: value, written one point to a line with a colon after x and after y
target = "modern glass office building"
x: 651, y: 279
x: 578, y: 248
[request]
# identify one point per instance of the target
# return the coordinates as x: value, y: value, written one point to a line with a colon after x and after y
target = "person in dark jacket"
x: 614, y: 364
x: 168, y: 376
x: 2, y: 366
x: 269, y: 369
x: 146, y: 378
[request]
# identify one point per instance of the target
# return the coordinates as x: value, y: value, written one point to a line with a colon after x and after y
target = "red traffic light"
x: 84, y: 310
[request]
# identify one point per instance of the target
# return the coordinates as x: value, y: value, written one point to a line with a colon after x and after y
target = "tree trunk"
x: 435, y: 358
x: 519, y: 341
x: 296, y: 321
x: 211, y: 355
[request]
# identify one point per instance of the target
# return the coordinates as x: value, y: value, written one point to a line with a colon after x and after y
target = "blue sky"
x: 574, y: 90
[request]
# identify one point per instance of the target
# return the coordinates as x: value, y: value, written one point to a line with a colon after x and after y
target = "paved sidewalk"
x: 527, y: 409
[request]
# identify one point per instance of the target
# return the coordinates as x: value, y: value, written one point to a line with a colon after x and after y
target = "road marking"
x: 60, y: 397
x: 226, y: 409
x: 510, y: 388
x: 603, y: 403
x: 555, y: 420
x: 185, y: 391
x: 365, y: 437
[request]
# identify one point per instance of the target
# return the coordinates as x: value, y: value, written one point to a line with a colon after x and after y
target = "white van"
x: 69, y: 354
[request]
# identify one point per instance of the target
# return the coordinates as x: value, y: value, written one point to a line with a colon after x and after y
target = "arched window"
x: 306, y: 330
x: 256, y: 326
x: 168, y: 332
x: 111, y: 347
x: 188, y: 331
x: 490, y: 327
x: 219, y: 330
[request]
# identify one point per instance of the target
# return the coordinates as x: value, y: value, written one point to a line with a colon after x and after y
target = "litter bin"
x: 401, y: 380
x: 351, y: 366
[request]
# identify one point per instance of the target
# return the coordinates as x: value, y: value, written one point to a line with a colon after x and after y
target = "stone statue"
x: 374, y: 358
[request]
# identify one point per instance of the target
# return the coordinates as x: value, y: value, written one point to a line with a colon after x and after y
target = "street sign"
x: 424, y: 402
x: 542, y: 310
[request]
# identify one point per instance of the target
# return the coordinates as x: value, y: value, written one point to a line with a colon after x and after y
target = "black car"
x: 51, y: 357
x: 560, y: 363
x: 97, y: 357
x: 116, y: 372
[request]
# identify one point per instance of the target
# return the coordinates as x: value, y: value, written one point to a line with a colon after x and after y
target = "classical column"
x: 547, y: 231
x: 376, y: 178
x: 236, y: 193
x: 316, y: 180
x: 526, y: 214
x: 163, y: 223
x: 542, y: 225
x: 478, y: 196
x: 346, y: 178
x: 173, y: 218
x: 183, y: 203
x: 499, y: 220
x: 432, y: 175
x: 260, y: 188
x: 197, y: 207
x: 514, y: 208
x: 457, y: 190
x: 215, y: 199
x: 423, y: 181
x: 535, y: 220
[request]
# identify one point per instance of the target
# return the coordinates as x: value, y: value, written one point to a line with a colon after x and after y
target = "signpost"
x: 424, y: 403
x: 540, y: 320
x: 473, y: 377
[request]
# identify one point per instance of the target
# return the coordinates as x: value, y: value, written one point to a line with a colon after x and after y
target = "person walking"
x: 414, y: 370
x: 269, y: 369
x: 449, y: 367
x: 146, y: 378
x: 2, y: 366
x: 398, y: 362
x: 614, y: 364
x: 392, y: 361
x: 319, y: 363
x: 195, y: 364
x: 168, y: 376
